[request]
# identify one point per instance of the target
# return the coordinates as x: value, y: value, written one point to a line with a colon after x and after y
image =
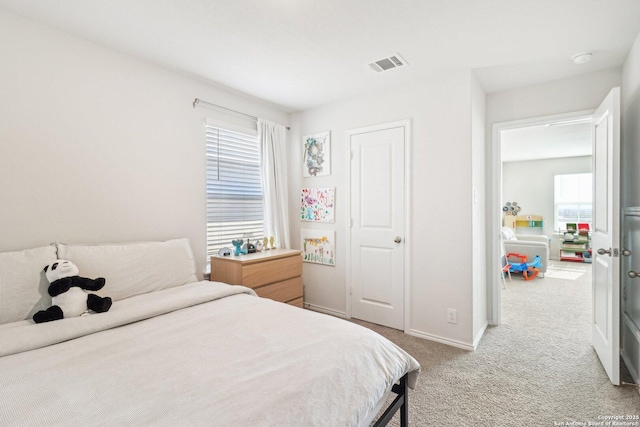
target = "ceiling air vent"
x: 388, y: 63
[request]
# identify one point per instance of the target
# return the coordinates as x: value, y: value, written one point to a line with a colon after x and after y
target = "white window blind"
x: 234, y: 188
x: 573, y: 199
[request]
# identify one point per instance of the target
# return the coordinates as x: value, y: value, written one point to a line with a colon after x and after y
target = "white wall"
x: 531, y: 184
x: 441, y: 184
x: 630, y: 147
x: 580, y: 93
x: 96, y: 146
x: 479, y: 255
x: 561, y: 96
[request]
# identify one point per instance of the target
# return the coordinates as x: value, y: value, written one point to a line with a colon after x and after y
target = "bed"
x: 173, y: 350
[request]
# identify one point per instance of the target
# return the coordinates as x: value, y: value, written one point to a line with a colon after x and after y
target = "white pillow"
x: 23, y: 285
x: 508, y: 234
x: 134, y: 268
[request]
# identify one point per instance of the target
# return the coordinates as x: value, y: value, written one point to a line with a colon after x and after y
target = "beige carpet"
x: 536, y: 369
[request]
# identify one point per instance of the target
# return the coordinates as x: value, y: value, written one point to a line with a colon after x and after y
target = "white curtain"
x: 273, y: 148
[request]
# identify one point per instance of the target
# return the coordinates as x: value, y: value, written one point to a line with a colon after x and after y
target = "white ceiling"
x: 546, y: 142
x: 300, y: 54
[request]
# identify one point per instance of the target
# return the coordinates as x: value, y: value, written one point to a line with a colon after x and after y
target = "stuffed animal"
x: 238, y: 245
x: 69, y: 293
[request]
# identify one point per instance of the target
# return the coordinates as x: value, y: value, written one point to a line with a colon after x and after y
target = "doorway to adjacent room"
x: 598, y: 211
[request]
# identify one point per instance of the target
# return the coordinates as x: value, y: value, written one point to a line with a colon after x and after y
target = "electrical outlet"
x: 452, y: 315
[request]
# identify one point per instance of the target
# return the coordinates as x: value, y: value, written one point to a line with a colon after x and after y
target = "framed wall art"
x: 317, y: 155
x: 318, y: 246
x: 317, y: 204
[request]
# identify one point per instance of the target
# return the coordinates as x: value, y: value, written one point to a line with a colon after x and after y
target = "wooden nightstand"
x: 274, y: 274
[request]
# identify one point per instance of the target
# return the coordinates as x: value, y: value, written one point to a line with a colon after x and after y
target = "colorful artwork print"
x: 317, y: 155
x: 318, y: 246
x: 317, y: 204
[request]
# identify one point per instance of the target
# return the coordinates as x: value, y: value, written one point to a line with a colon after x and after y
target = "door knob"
x: 398, y: 239
x: 626, y: 252
x: 602, y: 251
x: 632, y: 274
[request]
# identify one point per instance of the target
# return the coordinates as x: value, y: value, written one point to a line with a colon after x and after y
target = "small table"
x: 274, y: 274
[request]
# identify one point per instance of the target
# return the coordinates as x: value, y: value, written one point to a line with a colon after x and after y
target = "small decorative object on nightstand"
x: 272, y: 240
x: 265, y: 244
x: 251, y: 248
x: 238, y: 245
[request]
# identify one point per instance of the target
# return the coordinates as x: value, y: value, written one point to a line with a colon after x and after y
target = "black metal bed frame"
x: 400, y: 402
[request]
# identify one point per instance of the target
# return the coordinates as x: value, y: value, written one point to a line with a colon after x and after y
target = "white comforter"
x: 206, y: 354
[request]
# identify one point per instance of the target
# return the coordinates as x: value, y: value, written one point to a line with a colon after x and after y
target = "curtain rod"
x: 199, y: 101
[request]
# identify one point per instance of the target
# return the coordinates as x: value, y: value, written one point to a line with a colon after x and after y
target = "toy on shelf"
x: 583, y: 228
x: 529, y: 270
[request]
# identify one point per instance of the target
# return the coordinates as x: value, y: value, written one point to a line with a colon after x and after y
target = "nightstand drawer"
x: 286, y: 291
x: 276, y: 270
x: 298, y: 302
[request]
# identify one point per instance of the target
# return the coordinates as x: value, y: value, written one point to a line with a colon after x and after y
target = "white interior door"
x: 605, y: 239
x: 378, y: 225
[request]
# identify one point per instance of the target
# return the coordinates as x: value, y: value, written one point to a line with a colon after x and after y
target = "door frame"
x: 495, y: 207
x: 406, y: 124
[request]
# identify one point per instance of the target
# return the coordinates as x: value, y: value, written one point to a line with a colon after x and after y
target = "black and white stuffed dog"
x: 69, y: 293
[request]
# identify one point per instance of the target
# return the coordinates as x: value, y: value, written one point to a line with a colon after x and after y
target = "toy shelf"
x: 529, y: 223
x: 576, y: 244
x: 524, y: 224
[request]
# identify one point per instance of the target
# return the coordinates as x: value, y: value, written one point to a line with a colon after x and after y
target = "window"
x: 573, y: 199
x: 234, y: 188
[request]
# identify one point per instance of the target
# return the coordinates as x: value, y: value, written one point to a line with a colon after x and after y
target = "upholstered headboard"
x: 129, y: 269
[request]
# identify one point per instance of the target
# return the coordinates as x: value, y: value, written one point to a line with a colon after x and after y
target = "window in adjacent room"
x: 573, y: 200
x: 234, y: 188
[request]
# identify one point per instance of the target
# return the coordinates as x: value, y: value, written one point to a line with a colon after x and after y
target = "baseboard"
x: 632, y: 326
x: 629, y: 325
x: 325, y: 310
x: 442, y: 340
x: 478, y: 337
x: 629, y: 365
x: 413, y: 332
